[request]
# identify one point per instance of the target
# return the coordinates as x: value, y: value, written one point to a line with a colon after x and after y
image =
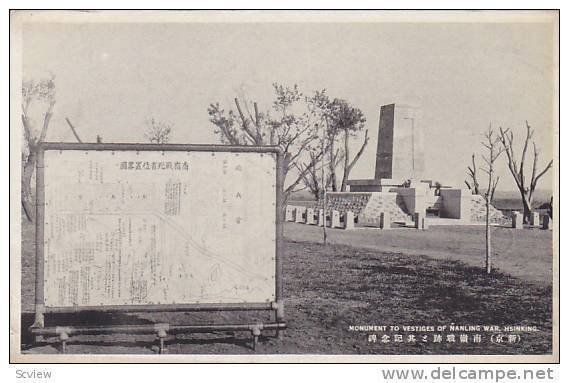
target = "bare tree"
x: 319, y: 105
x: 340, y: 119
x: 473, y: 184
x: 349, y: 120
x: 287, y: 126
x: 491, y: 143
x: 42, y: 93
x: 157, y: 132
x: 73, y: 130
x: 518, y: 171
x: 493, y: 188
x: 312, y: 173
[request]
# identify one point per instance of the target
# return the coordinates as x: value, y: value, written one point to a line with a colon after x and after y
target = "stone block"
x: 517, y: 220
x: 418, y: 219
x: 534, y: 219
x: 349, y: 220
x: 300, y: 214
x: 547, y: 223
x: 455, y: 203
x: 336, y: 219
x: 321, y: 217
x: 310, y: 217
x: 385, y: 221
x: 289, y: 213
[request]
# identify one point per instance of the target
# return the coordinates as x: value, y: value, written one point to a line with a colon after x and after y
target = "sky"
x: 463, y: 76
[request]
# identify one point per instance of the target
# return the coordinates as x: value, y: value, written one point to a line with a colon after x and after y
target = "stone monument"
x: 399, y: 153
x: 400, y: 168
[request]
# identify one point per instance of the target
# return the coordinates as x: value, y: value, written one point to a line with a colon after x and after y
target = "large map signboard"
x: 153, y: 227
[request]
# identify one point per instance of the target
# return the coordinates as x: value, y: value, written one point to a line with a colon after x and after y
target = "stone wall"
x: 367, y: 206
x: 342, y: 202
x: 384, y: 202
x: 478, y: 212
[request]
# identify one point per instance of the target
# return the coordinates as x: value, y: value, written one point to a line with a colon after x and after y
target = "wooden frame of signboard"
x: 38, y: 329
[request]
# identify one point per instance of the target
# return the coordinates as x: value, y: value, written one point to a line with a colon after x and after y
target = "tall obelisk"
x: 399, y: 155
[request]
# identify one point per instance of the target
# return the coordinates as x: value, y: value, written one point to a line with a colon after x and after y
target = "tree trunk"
x: 346, y: 161
x: 488, y: 244
x: 348, y: 166
x: 332, y: 167
x: 27, y: 196
x: 526, y: 200
x: 324, y: 234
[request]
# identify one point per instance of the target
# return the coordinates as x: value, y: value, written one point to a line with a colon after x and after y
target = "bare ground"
x: 403, y: 277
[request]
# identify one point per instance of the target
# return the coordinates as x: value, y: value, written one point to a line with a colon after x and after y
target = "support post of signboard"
x: 162, y: 332
x: 63, y: 337
x: 64, y: 343
x: 256, y: 332
x: 278, y: 306
x: 40, y: 201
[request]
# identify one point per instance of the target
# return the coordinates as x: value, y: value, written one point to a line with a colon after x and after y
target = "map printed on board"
x: 152, y: 227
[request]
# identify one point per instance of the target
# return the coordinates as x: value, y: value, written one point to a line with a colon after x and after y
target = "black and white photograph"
x: 284, y: 186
